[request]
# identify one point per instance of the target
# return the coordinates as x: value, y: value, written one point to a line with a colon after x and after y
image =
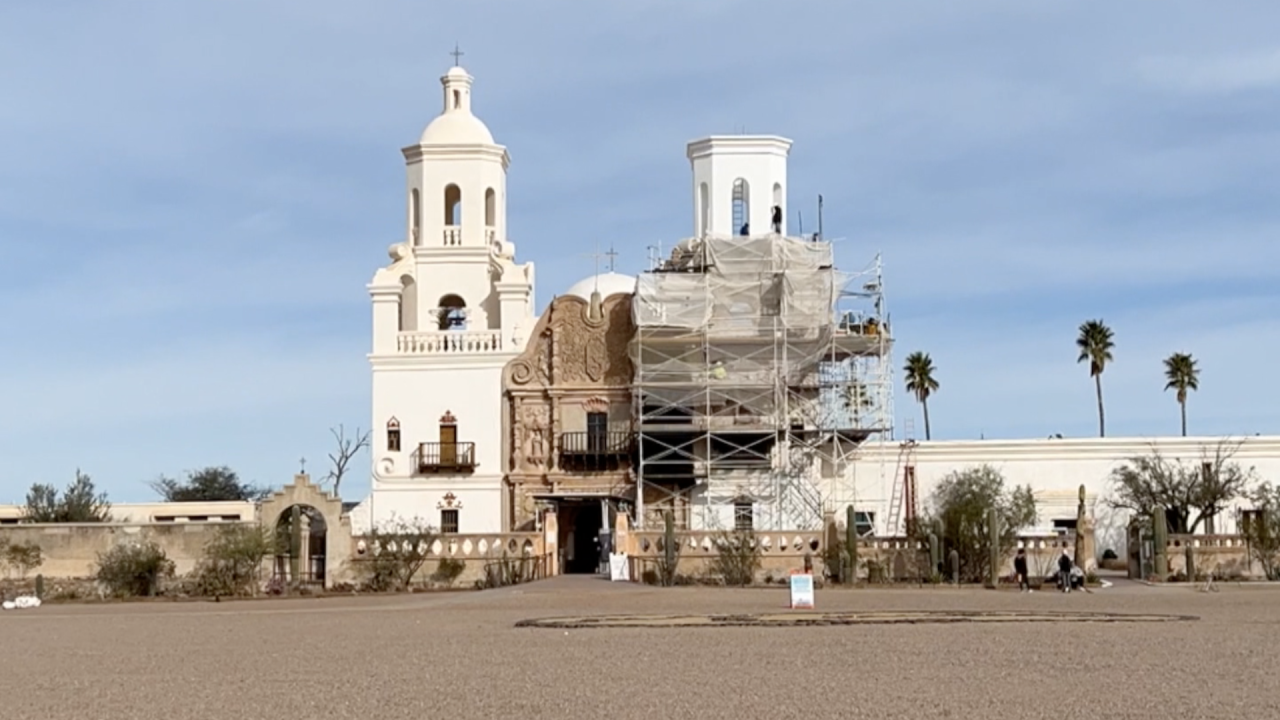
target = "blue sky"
x: 193, y: 196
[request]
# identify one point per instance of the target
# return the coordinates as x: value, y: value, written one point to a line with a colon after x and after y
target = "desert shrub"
x: 958, y: 517
x: 134, y: 570
x: 448, y: 570
x: 232, y: 562
x: 737, y: 557
x: 396, y: 552
x: 508, y: 570
x: 1262, y: 529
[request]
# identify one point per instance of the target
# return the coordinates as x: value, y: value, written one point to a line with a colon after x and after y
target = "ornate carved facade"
x: 568, y: 406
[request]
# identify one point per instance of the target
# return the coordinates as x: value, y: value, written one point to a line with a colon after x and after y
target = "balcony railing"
x: 455, y: 457
x: 596, y: 451
x: 449, y: 342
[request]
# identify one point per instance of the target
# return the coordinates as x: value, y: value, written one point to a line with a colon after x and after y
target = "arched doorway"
x: 301, y: 535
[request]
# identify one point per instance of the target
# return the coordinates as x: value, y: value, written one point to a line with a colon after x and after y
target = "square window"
x: 449, y: 522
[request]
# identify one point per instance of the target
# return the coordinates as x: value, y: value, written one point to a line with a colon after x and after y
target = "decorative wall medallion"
x: 393, y: 423
x: 449, y: 501
x: 448, y: 418
x: 387, y: 467
x: 596, y: 404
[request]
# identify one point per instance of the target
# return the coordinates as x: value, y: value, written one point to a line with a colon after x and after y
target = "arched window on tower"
x: 393, y: 435
x: 408, y: 304
x: 452, y: 215
x: 741, y: 207
x: 452, y: 313
x: 457, y: 99
x: 704, y: 209
x: 415, y: 216
x: 490, y: 208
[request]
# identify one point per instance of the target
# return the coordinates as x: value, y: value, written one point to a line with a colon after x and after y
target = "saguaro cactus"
x: 851, y: 546
x: 669, y: 545
x: 955, y: 566
x: 935, y: 555
x: 1080, y: 558
x: 993, y: 529
x: 1160, y: 538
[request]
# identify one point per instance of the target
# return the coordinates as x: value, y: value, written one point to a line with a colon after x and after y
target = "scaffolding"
x: 760, y: 370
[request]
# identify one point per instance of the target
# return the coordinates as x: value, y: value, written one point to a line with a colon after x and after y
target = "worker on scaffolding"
x: 717, y: 371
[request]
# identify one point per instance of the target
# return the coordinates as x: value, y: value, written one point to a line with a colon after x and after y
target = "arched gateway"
x: 321, y: 546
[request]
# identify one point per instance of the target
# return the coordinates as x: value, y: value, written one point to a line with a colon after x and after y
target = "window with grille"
x: 449, y: 522
x: 743, y: 515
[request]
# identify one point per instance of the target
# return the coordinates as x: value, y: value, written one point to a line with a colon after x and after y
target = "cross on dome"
x: 456, y: 125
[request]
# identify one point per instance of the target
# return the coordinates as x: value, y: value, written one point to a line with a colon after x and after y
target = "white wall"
x: 478, y: 501
x: 418, y: 392
x: 1054, y: 469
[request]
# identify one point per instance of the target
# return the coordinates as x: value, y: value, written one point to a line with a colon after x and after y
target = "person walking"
x: 1020, y: 570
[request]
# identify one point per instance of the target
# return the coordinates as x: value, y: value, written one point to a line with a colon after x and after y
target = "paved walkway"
x: 459, y: 655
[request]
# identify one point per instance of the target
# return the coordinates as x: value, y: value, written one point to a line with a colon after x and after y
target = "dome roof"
x: 456, y: 128
x: 455, y: 124
x: 609, y: 283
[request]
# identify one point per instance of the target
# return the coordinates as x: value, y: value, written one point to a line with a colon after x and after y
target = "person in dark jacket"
x: 1020, y: 570
x: 1064, y: 571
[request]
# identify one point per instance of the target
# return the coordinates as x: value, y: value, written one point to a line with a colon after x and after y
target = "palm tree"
x: 1183, y: 375
x: 1095, y: 344
x: 920, y: 382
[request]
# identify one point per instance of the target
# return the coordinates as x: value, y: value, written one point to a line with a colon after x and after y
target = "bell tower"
x: 739, y: 185
x: 449, y: 311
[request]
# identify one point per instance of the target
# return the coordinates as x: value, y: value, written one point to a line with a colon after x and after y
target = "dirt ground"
x: 459, y: 655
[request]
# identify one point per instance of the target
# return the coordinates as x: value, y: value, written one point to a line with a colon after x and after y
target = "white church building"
x: 453, y: 307
x: 449, y: 311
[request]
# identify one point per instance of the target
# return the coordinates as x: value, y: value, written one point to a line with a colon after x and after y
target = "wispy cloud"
x: 192, y: 197
x: 1215, y: 75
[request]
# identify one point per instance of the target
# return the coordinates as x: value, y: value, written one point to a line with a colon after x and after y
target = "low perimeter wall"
x: 476, y: 551
x: 71, y: 550
x: 782, y: 552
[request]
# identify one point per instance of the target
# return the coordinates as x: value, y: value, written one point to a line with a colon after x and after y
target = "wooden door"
x: 448, y: 445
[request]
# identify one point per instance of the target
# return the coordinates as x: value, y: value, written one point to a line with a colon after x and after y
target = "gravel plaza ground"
x: 460, y: 655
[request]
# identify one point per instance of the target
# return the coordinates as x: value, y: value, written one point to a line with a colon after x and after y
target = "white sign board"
x: 618, y: 567
x: 801, y: 591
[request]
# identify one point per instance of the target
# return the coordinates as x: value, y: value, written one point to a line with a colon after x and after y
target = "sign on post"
x: 801, y: 590
x: 619, y: 567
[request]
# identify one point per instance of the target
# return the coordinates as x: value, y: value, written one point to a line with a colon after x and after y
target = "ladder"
x: 903, y: 484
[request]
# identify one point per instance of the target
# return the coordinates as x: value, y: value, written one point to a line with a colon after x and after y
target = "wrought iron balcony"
x: 596, y: 451
x: 455, y: 457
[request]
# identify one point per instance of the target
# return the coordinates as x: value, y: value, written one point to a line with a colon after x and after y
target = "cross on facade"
x: 303, y: 462
x: 456, y: 54
x: 612, y: 256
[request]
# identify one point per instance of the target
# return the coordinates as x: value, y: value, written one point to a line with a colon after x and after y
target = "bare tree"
x: 1188, y: 495
x: 347, y: 449
x: 1261, y: 528
x: 396, y: 551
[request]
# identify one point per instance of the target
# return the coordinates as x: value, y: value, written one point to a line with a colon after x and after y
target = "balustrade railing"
x: 443, y: 342
x: 596, y: 451
x: 452, y: 235
x: 437, y: 457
